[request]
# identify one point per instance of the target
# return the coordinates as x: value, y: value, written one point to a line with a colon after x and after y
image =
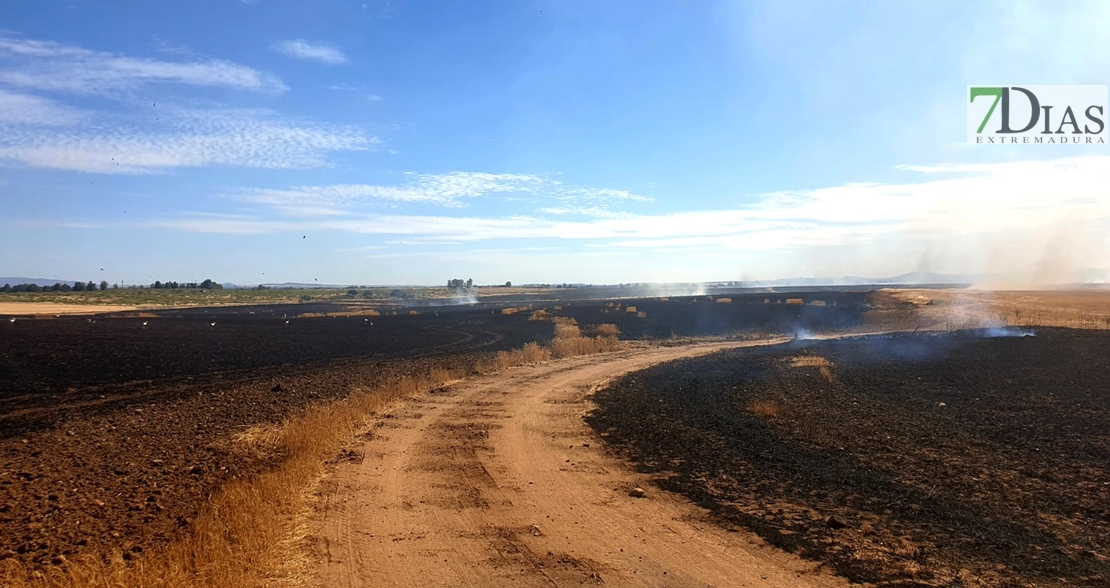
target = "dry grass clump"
x: 796, y: 301
x: 641, y: 314
x: 246, y: 535
x: 724, y: 301
x: 631, y: 309
x: 571, y: 347
x: 539, y: 315
x: 607, y: 330
x: 810, y: 361
x: 567, y: 331
x: 817, y: 303
x: 531, y: 353
x: 822, y: 364
x: 508, y: 311
x: 767, y: 409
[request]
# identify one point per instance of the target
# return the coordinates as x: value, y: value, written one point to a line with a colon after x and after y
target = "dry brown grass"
x: 574, y: 346
x: 567, y: 331
x: 724, y: 301
x: 508, y: 311
x: 631, y: 309
x: 607, y: 330
x: 796, y: 301
x: 823, y: 365
x: 531, y: 353
x: 539, y: 315
x: 767, y: 409
x: 969, y: 309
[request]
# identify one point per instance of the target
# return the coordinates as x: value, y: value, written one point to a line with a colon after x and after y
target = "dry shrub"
x: 766, y: 301
x: 567, y: 331
x: 247, y: 533
x: 796, y: 301
x: 413, y: 313
x: 607, y: 330
x: 531, y: 353
x: 539, y: 315
x: 724, y: 301
x: 631, y: 309
x: 508, y: 311
x: 558, y: 307
x: 641, y: 314
x: 664, y: 299
x: 571, y: 347
x: 817, y: 303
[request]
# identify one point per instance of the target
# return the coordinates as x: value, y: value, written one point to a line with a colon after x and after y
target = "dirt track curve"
x: 497, y: 481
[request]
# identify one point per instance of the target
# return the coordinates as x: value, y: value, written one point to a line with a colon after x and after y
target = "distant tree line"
x: 205, y: 285
x: 103, y: 285
x: 460, y: 284
x: 58, y: 287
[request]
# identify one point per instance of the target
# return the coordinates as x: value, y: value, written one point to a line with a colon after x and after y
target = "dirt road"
x: 497, y: 481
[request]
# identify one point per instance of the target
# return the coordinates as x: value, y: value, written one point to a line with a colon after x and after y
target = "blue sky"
x: 390, y: 142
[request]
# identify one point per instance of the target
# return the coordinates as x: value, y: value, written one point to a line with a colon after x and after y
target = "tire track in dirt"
x: 497, y: 480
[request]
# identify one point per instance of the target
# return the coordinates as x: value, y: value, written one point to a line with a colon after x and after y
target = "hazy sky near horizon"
x: 398, y: 142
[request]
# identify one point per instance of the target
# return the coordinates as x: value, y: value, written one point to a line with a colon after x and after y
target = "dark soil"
x: 927, y: 460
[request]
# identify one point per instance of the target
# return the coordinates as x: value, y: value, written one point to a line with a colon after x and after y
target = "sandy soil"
x: 497, y: 481
x: 52, y: 308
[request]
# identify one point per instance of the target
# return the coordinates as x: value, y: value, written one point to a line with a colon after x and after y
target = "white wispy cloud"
x: 26, y: 109
x: 346, y: 199
x: 54, y: 67
x: 450, y: 190
x: 179, y: 138
x: 312, y: 51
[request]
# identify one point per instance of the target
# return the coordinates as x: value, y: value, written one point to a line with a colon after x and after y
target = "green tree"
x: 78, y: 287
x: 103, y: 285
x: 90, y: 287
x: 7, y: 287
x: 508, y: 284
